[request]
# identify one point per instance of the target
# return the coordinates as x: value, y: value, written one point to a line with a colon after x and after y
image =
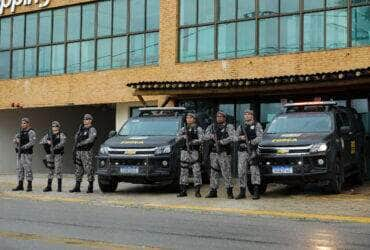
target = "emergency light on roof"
x: 315, y: 103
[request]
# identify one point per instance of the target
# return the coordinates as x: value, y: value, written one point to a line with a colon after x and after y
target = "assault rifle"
x: 251, y: 154
x: 19, y: 144
x: 187, y: 141
x: 216, y: 139
x: 74, y: 150
x: 50, y: 164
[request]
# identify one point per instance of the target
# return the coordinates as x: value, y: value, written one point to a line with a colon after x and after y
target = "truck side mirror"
x: 112, y: 134
x: 344, y: 130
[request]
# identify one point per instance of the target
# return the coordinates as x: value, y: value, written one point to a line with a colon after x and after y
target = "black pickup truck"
x: 313, y: 142
x: 144, y: 150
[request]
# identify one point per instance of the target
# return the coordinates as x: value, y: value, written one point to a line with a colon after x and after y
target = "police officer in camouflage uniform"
x: 248, y: 136
x: 221, y: 136
x: 84, y: 142
x: 191, y: 135
x: 54, y: 147
x: 24, y: 142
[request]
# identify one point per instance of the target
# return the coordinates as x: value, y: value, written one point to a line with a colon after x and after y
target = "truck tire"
x: 337, y: 178
x: 107, y: 184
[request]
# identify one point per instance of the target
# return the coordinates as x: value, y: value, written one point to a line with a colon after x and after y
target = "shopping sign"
x: 12, y: 4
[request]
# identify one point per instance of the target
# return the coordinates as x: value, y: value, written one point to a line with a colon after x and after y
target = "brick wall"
x: 110, y: 86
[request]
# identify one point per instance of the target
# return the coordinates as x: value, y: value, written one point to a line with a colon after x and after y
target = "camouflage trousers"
x: 84, y: 165
x: 58, y: 164
x: 24, y: 166
x: 190, y: 161
x: 243, y: 166
x: 220, y: 164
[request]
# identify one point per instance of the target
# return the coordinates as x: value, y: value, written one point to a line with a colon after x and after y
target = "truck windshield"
x: 301, y: 123
x: 150, y: 127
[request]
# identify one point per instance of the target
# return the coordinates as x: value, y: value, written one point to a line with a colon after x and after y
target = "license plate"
x: 129, y: 170
x: 282, y: 170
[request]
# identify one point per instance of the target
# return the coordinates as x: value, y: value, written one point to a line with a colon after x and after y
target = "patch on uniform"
x: 353, y: 147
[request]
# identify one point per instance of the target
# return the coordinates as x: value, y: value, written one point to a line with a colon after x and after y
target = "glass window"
x: 246, y: 38
x: 226, y: 40
x: 206, y: 42
x: 151, y: 48
x: 58, y: 25
x: 313, y: 31
x: 119, y: 17
x: 73, y: 57
x: 287, y: 6
x: 269, y: 111
x: 361, y: 26
x: 104, y: 54
x: 336, y: 3
x: 45, y: 27
x: 5, y: 33
x: 119, y: 52
x: 227, y: 9
x: 360, y: 1
x: 30, y: 63
x: 188, y: 10
x: 289, y: 33
x: 44, y: 60
x: 137, y: 15
x: 206, y: 11
x: 336, y: 29
x: 31, y: 29
x: 239, y: 110
x: 87, y: 55
x: 88, y: 21
x: 152, y: 15
x: 268, y: 36
x: 17, y: 63
x: 57, y: 64
x: 188, y: 44
x: 4, y: 65
x: 362, y: 107
x: 313, y: 4
x: 104, y: 18
x: 18, y: 31
x: 246, y: 9
x: 269, y: 7
x: 74, y: 23
x: 137, y: 50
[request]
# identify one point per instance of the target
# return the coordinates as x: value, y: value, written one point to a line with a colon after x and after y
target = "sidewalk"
x: 352, y: 205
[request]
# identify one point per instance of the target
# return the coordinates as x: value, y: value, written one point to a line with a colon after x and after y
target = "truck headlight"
x: 319, y: 147
x: 104, y: 150
x: 163, y: 150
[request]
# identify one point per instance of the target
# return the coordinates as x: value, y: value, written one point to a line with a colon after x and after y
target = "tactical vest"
x: 249, y: 130
x: 56, y: 141
x: 192, y: 133
x: 83, y: 134
x: 24, y: 139
x: 221, y: 133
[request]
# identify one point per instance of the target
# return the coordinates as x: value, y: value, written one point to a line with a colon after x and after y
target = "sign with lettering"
x: 12, y: 4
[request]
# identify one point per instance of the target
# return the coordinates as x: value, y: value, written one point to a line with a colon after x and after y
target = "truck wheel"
x: 107, y: 184
x: 337, y: 178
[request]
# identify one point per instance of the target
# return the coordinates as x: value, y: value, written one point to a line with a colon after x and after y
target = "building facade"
x: 62, y: 58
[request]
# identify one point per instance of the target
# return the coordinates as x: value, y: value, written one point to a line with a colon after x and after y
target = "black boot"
x: 90, y: 188
x: 59, y: 185
x: 29, y: 186
x: 48, y: 187
x: 197, y: 191
x: 76, y: 189
x: 212, y: 193
x: 241, y: 195
x: 230, y: 194
x: 19, y: 187
x: 256, y: 192
x: 183, y: 191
